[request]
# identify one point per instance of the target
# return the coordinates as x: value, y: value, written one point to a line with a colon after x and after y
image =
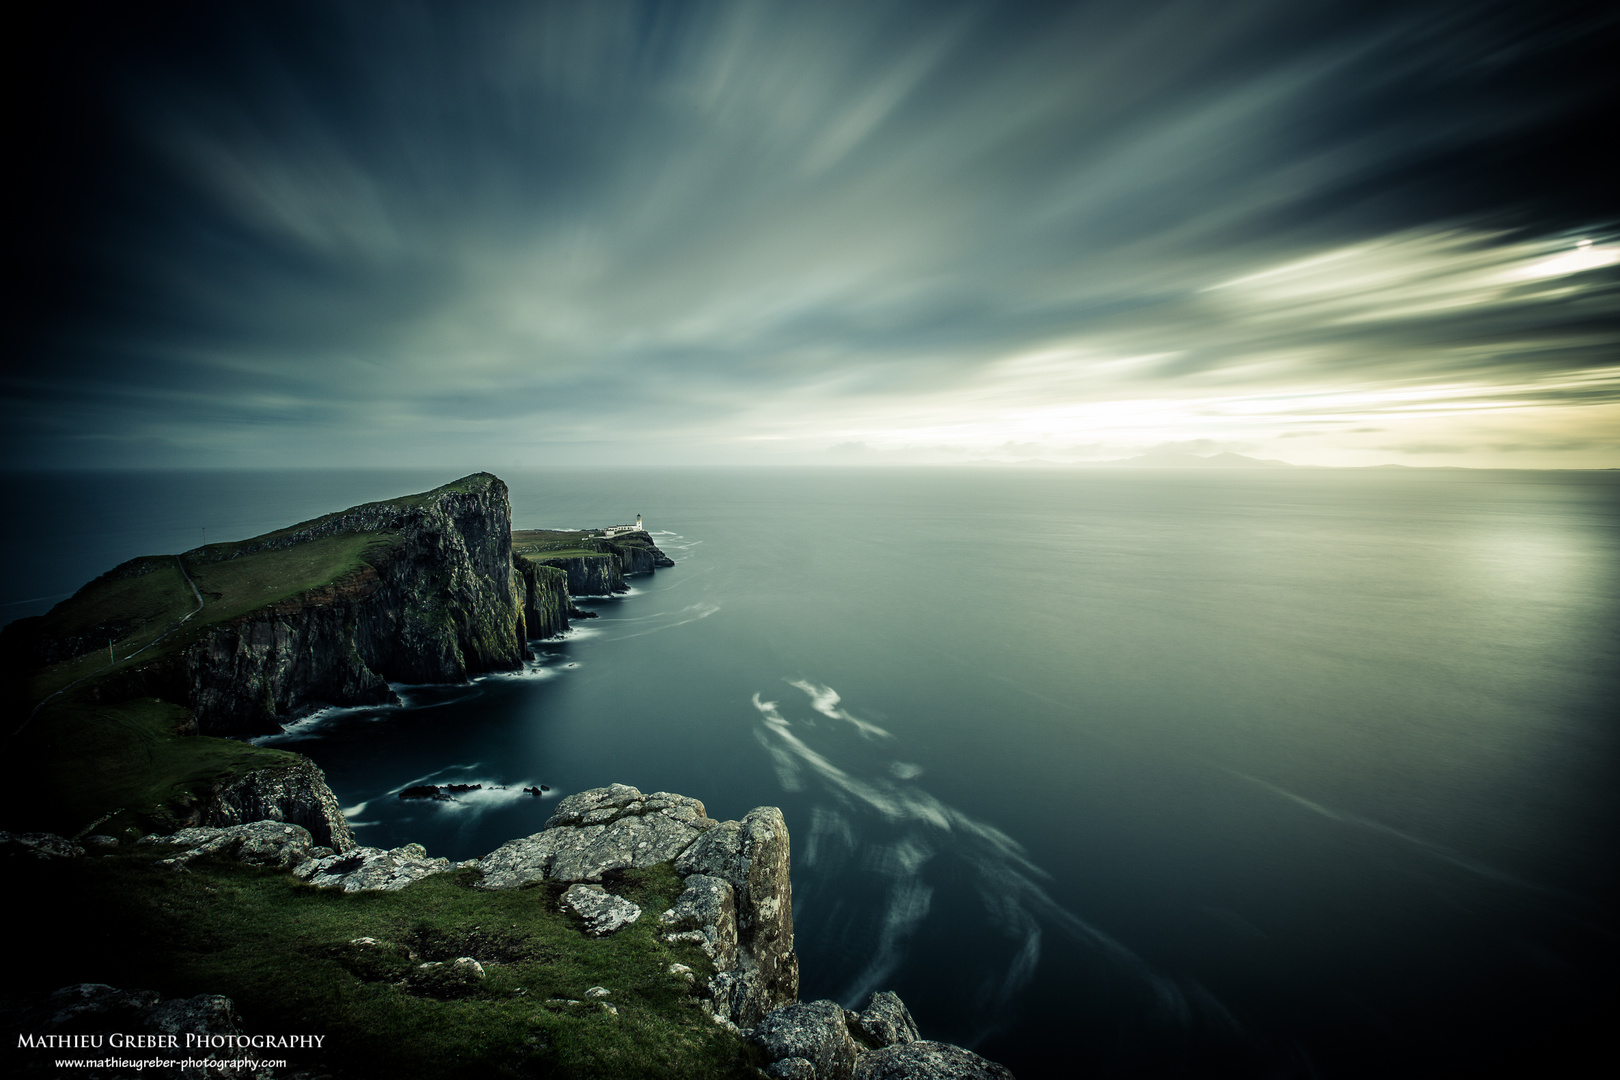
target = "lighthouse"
x: 638, y: 523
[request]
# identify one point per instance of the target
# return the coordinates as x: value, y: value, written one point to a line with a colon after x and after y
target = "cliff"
x: 248, y: 635
x: 586, y: 575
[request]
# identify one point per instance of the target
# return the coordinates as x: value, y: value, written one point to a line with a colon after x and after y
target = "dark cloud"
x: 301, y: 230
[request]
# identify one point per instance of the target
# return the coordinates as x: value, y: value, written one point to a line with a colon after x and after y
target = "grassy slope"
x: 281, y: 950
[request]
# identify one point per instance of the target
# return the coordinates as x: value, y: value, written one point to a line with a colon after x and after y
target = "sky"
x: 529, y: 234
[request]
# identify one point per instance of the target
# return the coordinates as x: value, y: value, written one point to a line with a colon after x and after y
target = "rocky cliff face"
x: 547, y: 605
x: 439, y: 602
x: 588, y: 575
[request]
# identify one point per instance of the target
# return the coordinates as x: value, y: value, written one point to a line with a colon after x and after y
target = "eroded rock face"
x: 602, y: 912
x: 439, y: 601
x: 295, y: 793
x: 366, y: 869
x: 752, y: 856
x: 706, y: 913
x: 593, y: 832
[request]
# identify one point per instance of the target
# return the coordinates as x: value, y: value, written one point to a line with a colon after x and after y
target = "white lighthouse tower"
x: 638, y: 523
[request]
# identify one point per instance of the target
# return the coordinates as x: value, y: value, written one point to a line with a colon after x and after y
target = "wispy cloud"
x: 978, y: 231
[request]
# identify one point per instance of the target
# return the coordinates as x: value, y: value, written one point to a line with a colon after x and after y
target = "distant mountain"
x: 1180, y: 459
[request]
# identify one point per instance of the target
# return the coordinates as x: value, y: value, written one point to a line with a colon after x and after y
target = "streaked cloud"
x: 837, y: 232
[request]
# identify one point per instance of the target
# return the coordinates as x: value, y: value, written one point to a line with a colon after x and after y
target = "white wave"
x: 311, y: 726
x: 692, y: 613
x: 824, y: 699
x: 356, y: 810
x: 1005, y: 876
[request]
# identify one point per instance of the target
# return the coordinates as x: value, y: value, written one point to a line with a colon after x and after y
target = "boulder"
x: 886, y: 1021
x: 823, y: 1041
x: 925, y: 1060
x: 37, y: 845
x: 372, y: 869
x: 602, y: 912
x: 815, y: 1031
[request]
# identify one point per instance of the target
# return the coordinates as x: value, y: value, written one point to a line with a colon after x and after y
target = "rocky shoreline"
x: 736, y: 905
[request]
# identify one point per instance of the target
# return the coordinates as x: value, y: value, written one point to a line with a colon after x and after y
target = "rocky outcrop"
x: 821, y: 1040
x: 750, y: 858
x: 261, y: 843
x: 738, y: 899
x: 636, y: 553
x: 367, y: 869
x: 37, y: 846
x: 295, y: 793
x: 596, y: 831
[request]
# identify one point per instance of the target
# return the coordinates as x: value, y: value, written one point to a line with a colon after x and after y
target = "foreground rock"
x: 737, y: 903
x: 367, y: 869
x: 821, y: 1040
x: 37, y: 845
x: 602, y: 912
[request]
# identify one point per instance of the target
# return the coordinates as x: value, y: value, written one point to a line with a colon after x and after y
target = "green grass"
x: 281, y: 950
x: 88, y: 760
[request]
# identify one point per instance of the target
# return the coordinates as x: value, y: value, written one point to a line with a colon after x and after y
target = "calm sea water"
x: 1304, y: 773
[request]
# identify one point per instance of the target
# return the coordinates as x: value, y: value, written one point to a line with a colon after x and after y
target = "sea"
x: 1129, y: 772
